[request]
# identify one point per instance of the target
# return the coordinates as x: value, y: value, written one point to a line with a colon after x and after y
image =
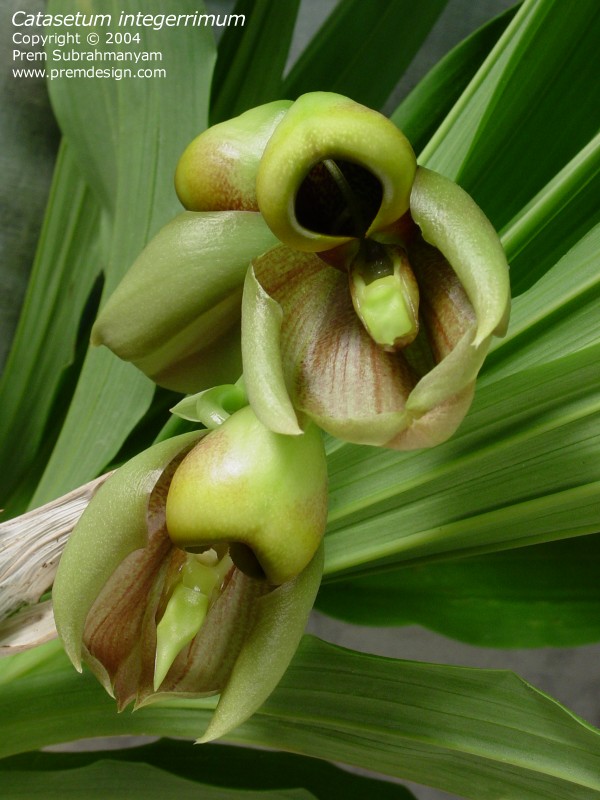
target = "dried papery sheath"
x: 30, y: 549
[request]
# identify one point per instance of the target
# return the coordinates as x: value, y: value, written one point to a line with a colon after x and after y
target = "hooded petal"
x: 320, y: 127
x: 278, y: 485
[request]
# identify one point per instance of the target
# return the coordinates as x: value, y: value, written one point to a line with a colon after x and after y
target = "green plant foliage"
x: 272, y: 774
x: 251, y: 60
x: 491, y: 537
x: 471, y: 731
x: 542, y: 596
x: 363, y: 49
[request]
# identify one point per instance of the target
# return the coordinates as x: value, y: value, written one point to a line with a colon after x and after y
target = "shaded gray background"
x: 28, y: 143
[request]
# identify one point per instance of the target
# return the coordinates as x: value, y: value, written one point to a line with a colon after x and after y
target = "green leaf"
x: 252, y: 57
x: 522, y: 469
x: 126, y: 782
x: 479, y: 733
x: 542, y: 596
x: 66, y: 266
x: 232, y: 767
x: 555, y: 220
x: 555, y: 317
x: 424, y: 109
x: 117, y: 130
x: 363, y: 48
x: 527, y: 111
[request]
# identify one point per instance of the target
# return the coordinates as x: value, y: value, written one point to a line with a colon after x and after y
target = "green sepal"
x: 113, y: 525
x: 451, y: 221
x: 263, y: 366
x: 217, y: 170
x: 182, y: 295
x: 267, y: 650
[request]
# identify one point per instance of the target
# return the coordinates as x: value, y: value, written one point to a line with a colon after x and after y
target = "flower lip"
x: 262, y: 494
x: 338, y: 198
x: 323, y: 127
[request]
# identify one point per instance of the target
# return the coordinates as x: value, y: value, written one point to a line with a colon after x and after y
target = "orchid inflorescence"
x: 367, y: 290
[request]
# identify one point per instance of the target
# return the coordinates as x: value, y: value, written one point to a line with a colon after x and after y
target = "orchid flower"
x: 195, y: 566
x: 374, y: 286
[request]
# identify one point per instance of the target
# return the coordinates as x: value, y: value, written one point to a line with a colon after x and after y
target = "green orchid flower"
x: 195, y: 566
x: 375, y: 286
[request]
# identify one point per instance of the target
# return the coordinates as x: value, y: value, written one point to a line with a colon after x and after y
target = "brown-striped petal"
x: 334, y: 371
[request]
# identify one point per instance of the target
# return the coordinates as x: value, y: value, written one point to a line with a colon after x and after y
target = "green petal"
x: 113, y: 525
x: 262, y: 359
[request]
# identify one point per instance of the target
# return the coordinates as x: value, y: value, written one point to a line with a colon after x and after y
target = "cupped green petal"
x: 451, y: 221
x: 183, y: 295
x: 113, y: 525
x: 217, y: 171
x: 335, y: 135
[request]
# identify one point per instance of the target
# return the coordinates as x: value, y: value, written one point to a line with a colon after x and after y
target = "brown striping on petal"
x: 332, y: 366
x: 204, y: 666
x: 343, y: 373
x: 120, y: 630
x: 446, y: 311
x: 115, y: 624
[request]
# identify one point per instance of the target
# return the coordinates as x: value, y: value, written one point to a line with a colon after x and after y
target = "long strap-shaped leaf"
x: 363, y: 49
x: 252, y: 57
x: 238, y: 768
x: 527, y: 111
x: 425, y: 108
x: 522, y: 469
x: 478, y: 733
x: 547, y: 595
x: 66, y: 266
x: 129, y: 157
